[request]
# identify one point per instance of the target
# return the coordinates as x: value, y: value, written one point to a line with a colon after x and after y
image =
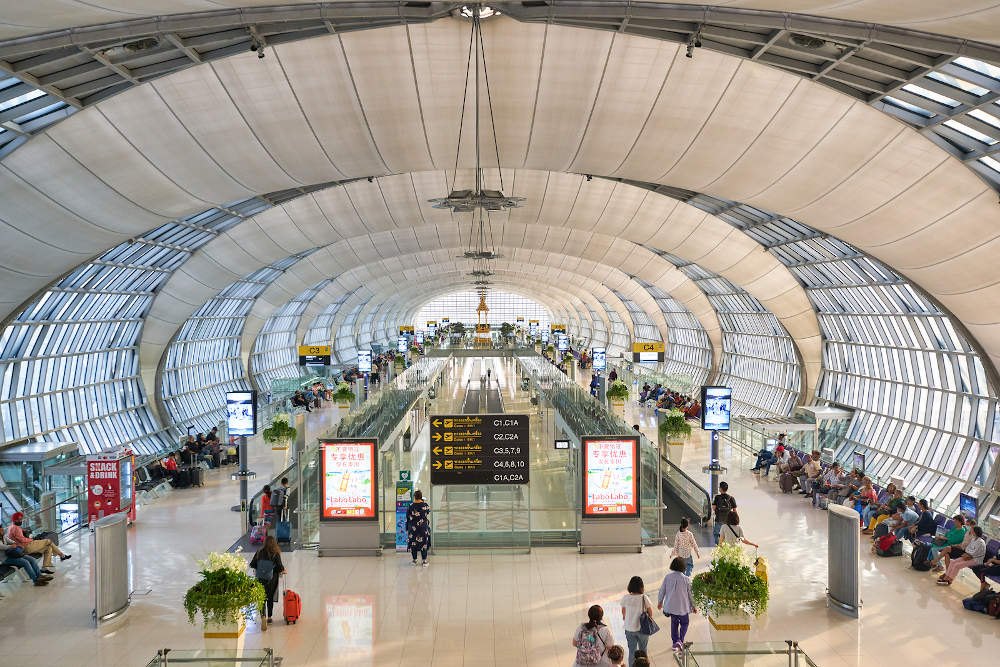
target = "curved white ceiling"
x: 566, y: 99
x: 973, y: 19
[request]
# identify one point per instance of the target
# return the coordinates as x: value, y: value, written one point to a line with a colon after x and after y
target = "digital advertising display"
x: 364, y: 361
x: 859, y: 462
x: 241, y: 412
x: 348, y: 480
x: 716, y: 408
x: 401, y: 344
x: 610, y: 476
x: 562, y: 342
x: 967, y: 506
x: 419, y: 337
x: 562, y: 444
x: 600, y: 358
x: 545, y: 336
x: 533, y: 327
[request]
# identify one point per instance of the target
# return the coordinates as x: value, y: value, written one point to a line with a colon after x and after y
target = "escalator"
x: 494, y: 402
x: 471, y: 404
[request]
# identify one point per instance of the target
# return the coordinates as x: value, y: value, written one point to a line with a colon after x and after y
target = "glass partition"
x: 261, y: 657
x: 766, y: 654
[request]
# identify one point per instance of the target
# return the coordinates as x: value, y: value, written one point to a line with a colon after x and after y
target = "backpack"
x: 278, y: 497
x: 919, y: 557
x: 588, y: 652
x: 722, y: 507
x: 888, y: 545
x: 264, y: 570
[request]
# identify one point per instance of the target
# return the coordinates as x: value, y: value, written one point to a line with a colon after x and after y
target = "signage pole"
x: 714, y: 466
x: 244, y: 509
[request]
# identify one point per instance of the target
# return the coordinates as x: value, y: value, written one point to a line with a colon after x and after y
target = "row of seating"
x: 944, y: 522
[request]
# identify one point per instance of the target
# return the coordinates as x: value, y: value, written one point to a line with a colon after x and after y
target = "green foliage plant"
x: 343, y: 393
x: 730, y: 584
x: 674, y: 427
x: 279, y: 431
x: 414, y: 349
x: 618, y: 391
x: 225, y: 590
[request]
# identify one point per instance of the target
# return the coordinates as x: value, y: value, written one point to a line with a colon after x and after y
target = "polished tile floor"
x: 482, y: 608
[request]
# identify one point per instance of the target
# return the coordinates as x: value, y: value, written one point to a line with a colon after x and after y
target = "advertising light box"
x: 420, y: 337
x: 348, y: 480
x: 364, y: 361
x: 402, y: 345
x: 967, y: 506
x: 562, y: 342
x: 610, y: 476
x: 241, y: 412
x: 600, y: 358
x: 545, y: 336
x: 716, y: 408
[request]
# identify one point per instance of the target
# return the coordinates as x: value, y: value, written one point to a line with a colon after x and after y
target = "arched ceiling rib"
x: 791, y: 145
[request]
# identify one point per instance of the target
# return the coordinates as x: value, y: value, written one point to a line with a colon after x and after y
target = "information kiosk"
x: 110, y: 484
x: 611, y: 521
x: 349, y: 522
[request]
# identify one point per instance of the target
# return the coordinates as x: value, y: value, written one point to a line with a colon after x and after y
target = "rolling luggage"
x: 283, y: 531
x: 786, y: 482
x: 258, y: 533
x: 293, y: 606
x: 182, y: 479
x: 919, y: 557
x: 195, y: 472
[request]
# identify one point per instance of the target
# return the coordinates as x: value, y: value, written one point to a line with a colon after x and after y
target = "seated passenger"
x: 780, y: 458
x: 18, y: 538
x: 925, y: 524
x: 947, y: 555
x: 170, y: 465
x: 299, y: 401
x: 910, y: 518
x: 989, y: 568
x: 840, y: 485
x: 15, y: 557
x: 886, y: 511
x: 809, y: 474
x: 953, y: 538
x: 974, y: 554
x: 793, y: 465
x: 763, y: 456
x: 828, y: 479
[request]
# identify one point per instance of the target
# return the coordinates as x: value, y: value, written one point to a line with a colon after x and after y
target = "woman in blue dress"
x: 418, y: 527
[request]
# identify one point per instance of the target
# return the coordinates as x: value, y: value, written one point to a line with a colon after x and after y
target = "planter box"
x: 617, y: 406
x: 226, y: 636
x: 732, y: 631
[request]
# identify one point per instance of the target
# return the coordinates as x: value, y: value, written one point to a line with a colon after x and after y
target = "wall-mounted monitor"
x: 968, y: 506
x: 610, y: 476
x: 241, y: 412
x: 858, y: 462
x: 716, y: 408
x: 348, y: 480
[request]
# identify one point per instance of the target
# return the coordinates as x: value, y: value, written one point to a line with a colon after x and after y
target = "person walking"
x: 634, y: 603
x: 418, y: 527
x: 733, y: 533
x: 684, y: 544
x: 279, y: 498
x: 593, y: 639
x: 722, y: 504
x: 267, y: 566
x: 676, y: 601
x: 266, y: 511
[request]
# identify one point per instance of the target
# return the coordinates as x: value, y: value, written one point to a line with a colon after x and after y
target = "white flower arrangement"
x: 222, y: 561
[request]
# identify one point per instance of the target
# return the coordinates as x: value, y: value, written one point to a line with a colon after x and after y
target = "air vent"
x: 806, y: 41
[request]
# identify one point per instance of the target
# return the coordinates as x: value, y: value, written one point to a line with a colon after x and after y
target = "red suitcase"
x: 293, y: 606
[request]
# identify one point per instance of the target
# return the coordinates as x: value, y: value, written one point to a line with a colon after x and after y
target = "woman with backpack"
x: 593, y: 639
x: 676, y: 601
x: 267, y: 566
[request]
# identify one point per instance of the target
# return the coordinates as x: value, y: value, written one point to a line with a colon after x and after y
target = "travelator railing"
x: 785, y: 653
x: 256, y: 657
x: 584, y: 415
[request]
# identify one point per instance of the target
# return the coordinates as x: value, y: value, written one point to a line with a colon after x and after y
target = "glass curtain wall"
x: 689, y: 351
x: 461, y: 307
x: 319, y: 332
x: 275, y: 352
x: 203, y: 362
x: 345, y: 346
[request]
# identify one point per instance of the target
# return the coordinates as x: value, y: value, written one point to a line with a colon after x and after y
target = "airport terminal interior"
x: 275, y: 274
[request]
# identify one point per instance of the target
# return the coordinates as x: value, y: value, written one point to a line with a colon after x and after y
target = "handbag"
x: 647, y: 626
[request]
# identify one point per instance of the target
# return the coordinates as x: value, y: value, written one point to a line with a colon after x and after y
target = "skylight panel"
x: 969, y: 132
x: 930, y: 94
x: 21, y: 99
x: 989, y: 119
x: 909, y: 107
x: 955, y: 82
x: 979, y: 66
x: 991, y: 163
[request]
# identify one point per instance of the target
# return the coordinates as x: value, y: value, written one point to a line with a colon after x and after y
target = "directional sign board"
x: 479, y: 449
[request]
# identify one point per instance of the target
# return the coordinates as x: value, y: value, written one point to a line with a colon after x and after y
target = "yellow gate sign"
x: 647, y: 347
x: 308, y: 350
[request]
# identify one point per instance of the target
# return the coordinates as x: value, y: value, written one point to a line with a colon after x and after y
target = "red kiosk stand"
x: 110, y: 484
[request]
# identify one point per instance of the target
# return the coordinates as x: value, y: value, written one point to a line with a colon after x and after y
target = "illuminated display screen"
x: 717, y: 406
x: 562, y: 342
x: 420, y: 337
x: 600, y: 358
x: 401, y: 345
x: 649, y: 357
x: 348, y: 480
x: 364, y: 361
x: 241, y: 412
x: 610, y: 476
x: 545, y: 336
x: 967, y: 506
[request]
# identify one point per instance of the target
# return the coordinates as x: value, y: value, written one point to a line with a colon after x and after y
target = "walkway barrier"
x: 786, y: 653
x: 260, y: 657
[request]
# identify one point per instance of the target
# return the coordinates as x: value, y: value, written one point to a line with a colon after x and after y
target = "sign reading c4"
x: 647, y: 347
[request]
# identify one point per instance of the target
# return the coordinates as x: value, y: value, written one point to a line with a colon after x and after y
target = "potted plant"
x: 731, y: 595
x: 551, y: 350
x: 344, y: 396
x: 222, y: 596
x: 673, y: 430
x: 280, y: 434
x: 617, y: 394
x: 414, y: 350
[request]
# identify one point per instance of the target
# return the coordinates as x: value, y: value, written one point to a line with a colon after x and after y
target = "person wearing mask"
x: 809, y: 474
x: 633, y: 604
x: 593, y: 639
x: 267, y: 567
x: 723, y: 503
x: 732, y: 533
x: 953, y: 538
x: 955, y: 552
x: 676, y: 601
x: 418, y: 527
x: 15, y: 557
x: 974, y: 554
x: 17, y: 537
x: 684, y: 544
x: 910, y: 516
